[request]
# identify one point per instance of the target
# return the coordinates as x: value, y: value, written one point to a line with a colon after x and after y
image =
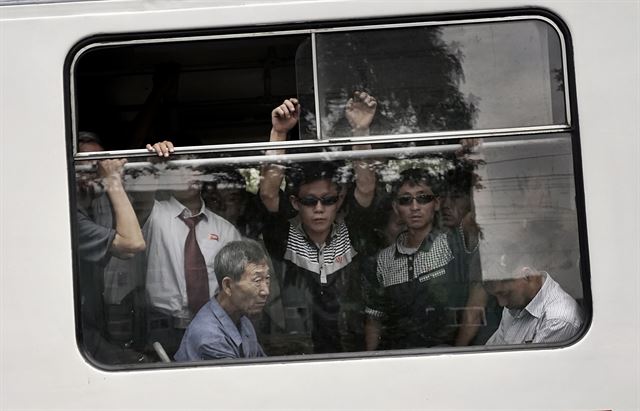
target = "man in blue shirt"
x: 221, y: 329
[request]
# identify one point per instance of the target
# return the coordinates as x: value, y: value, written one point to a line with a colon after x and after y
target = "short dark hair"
x: 306, y: 173
x: 415, y: 176
x: 228, y: 178
x: 459, y: 179
x: 234, y: 257
x: 87, y: 137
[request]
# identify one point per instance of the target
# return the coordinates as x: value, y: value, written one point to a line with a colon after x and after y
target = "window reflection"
x: 425, y: 264
x: 434, y: 78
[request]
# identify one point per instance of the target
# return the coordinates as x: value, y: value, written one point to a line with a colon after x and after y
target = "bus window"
x: 445, y: 78
x: 407, y: 198
x: 195, y: 93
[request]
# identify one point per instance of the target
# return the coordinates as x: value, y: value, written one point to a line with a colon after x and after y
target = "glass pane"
x: 194, y: 93
x: 395, y: 246
x: 527, y: 212
x: 440, y: 78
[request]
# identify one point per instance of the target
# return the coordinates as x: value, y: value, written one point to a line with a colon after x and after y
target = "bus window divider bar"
x: 396, y: 153
x: 328, y: 142
x: 316, y: 94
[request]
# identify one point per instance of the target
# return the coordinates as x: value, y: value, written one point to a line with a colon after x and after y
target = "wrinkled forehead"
x: 260, y: 268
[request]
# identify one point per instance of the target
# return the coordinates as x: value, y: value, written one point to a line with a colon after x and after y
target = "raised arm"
x: 128, y: 239
x: 360, y: 111
x: 283, y: 119
x: 365, y: 179
x: 144, y: 199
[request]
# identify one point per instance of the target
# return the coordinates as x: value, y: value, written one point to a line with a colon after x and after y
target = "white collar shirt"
x: 552, y: 316
x: 165, y: 234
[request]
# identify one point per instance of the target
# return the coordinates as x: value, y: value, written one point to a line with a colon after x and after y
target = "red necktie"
x: 195, y: 268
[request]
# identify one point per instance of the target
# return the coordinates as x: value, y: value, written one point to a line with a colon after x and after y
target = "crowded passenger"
x: 107, y: 228
x: 228, y: 197
x: 536, y: 308
x: 319, y: 249
x: 422, y: 281
x: 399, y: 273
x: 387, y: 223
x: 480, y: 316
x: 222, y: 328
x: 225, y: 193
x: 183, y: 237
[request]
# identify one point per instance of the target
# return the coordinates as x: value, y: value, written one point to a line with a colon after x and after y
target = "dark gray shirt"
x: 419, y: 295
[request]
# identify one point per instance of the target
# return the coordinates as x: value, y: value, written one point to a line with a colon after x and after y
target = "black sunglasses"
x: 311, y: 201
x: 405, y: 200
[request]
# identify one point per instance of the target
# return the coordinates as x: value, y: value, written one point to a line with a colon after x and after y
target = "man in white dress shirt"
x: 536, y: 308
x: 166, y: 232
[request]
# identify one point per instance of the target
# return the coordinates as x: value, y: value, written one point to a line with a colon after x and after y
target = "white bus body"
x: 42, y: 366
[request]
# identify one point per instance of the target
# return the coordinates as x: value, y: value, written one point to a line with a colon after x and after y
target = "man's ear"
x: 436, y: 205
x: 394, y: 205
x: 226, y: 285
x: 294, y: 202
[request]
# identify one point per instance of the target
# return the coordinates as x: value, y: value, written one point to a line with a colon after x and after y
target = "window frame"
x: 338, y: 27
x: 570, y: 126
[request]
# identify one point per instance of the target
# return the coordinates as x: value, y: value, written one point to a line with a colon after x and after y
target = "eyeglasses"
x: 311, y: 201
x: 406, y: 200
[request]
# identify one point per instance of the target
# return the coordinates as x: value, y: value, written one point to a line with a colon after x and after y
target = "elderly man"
x: 536, y: 308
x: 221, y: 329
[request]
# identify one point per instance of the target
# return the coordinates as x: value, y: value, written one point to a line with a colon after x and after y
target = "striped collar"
x: 296, y: 223
x: 325, y: 260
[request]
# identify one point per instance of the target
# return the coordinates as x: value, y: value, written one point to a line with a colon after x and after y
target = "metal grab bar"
x: 389, y: 153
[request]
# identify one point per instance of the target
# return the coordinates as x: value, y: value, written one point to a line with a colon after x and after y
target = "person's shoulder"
x: 160, y: 207
x: 219, y: 222
x: 217, y: 219
x: 204, y: 322
x: 559, y: 305
x: 386, y: 254
x: 450, y: 235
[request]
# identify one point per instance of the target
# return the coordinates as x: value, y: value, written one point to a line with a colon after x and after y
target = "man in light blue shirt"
x: 221, y: 329
x: 536, y: 308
